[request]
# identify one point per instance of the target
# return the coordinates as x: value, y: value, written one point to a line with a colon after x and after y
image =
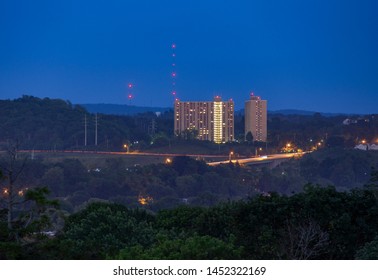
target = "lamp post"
x: 230, y: 156
x: 125, y: 146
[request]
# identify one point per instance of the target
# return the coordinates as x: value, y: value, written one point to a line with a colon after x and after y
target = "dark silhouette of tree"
x: 249, y: 137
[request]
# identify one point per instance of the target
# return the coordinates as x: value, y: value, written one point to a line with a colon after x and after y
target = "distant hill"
x: 116, y: 109
x: 298, y: 112
x: 304, y: 113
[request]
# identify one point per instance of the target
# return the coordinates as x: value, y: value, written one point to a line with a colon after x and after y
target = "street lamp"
x: 230, y: 156
x: 125, y: 146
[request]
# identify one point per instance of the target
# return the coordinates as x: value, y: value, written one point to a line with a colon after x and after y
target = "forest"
x: 319, y: 223
x: 320, y: 206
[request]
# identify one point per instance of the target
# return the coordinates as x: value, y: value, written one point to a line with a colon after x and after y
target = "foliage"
x: 101, y: 229
x: 191, y: 248
x: 369, y: 251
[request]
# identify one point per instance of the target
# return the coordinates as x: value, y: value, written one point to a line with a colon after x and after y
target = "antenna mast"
x: 129, y: 92
x: 174, y: 74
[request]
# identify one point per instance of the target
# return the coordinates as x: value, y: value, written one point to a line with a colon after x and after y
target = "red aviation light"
x: 173, y: 74
x: 130, y: 96
x: 173, y: 46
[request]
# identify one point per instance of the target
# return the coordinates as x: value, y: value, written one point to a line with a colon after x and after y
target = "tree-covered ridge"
x: 54, y: 124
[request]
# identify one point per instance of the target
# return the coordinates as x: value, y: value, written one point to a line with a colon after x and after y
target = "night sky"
x: 318, y: 55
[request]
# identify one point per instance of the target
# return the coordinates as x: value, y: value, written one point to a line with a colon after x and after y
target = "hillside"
x: 55, y: 124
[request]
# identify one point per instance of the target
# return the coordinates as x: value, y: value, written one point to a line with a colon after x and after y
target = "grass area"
x: 94, y: 160
x: 205, y: 147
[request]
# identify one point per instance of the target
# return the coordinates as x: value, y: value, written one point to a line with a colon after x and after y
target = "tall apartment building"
x: 256, y: 118
x: 213, y: 120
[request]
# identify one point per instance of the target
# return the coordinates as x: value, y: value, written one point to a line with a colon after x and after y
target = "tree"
x: 190, y: 248
x: 101, y: 229
x: 369, y: 251
x: 305, y: 241
x: 12, y: 167
x: 249, y: 137
x: 373, y: 182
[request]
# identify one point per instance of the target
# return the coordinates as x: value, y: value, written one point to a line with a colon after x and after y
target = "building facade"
x: 211, y: 120
x: 256, y: 118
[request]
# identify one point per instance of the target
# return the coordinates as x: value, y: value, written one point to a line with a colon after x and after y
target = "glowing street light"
x: 230, y: 156
x: 125, y: 146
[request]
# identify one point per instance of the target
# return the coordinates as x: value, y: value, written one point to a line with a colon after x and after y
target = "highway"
x: 260, y: 159
x: 133, y: 153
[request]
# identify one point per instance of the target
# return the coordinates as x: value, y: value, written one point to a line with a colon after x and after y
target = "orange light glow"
x: 145, y: 200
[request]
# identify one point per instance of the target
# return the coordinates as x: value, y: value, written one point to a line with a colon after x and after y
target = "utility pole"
x: 85, y: 130
x: 96, y: 123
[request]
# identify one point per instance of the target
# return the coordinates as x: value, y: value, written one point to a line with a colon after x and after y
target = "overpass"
x: 273, y: 159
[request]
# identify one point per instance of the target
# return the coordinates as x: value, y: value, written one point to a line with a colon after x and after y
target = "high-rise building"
x: 212, y: 120
x: 256, y: 118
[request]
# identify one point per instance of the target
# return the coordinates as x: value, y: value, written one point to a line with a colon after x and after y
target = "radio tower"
x: 129, y: 92
x: 174, y: 70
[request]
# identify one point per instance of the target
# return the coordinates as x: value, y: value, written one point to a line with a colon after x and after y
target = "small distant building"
x: 256, y: 118
x: 347, y: 122
x: 367, y: 147
x: 363, y: 147
x: 373, y: 147
x: 213, y: 120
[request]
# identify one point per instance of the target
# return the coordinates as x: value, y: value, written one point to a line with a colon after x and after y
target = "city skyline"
x: 316, y: 56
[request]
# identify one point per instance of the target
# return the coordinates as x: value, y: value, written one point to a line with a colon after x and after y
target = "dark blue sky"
x: 319, y: 55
